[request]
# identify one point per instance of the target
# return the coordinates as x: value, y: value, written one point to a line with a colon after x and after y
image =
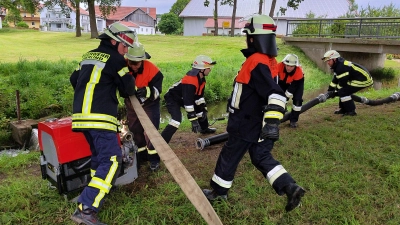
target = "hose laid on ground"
x: 202, y: 143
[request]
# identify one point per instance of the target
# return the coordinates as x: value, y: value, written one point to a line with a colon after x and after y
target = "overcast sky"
x: 163, y: 6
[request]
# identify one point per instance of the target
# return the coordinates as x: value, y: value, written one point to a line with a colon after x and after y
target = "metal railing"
x: 377, y: 28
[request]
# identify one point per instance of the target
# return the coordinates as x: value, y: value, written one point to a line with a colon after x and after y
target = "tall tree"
x: 215, y: 15
x: 294, y: 4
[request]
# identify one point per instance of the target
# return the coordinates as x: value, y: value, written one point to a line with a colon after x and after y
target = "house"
x: 143, y: 20
x: 224, y: 26
x: 32, y: 20
x: 195, y: 15
x: 54, y: 19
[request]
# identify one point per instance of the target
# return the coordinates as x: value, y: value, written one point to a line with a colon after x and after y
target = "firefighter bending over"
x: 348, y: 78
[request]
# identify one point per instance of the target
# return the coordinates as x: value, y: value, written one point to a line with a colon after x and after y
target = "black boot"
x: 294, y: 193
x: 339, y: 111
x: 86, y: 216
x: 293, y: 125
x: 351, y: 113
x: 208, y: 130
x: 211, y: 195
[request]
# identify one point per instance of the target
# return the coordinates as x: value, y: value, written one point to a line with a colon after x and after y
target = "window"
x: 33, y: 23
x: 58, y: 25
x: 24, y: 14
x: 141, y: 29
x: 67, y: 15
x: 146, y: 30
x: 32, y: 15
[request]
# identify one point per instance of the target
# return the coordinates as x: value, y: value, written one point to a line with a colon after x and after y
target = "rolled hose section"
x: 394, y: 97
x: 202, y: 143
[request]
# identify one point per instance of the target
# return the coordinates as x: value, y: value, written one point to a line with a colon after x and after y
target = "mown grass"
x: 348, y: 165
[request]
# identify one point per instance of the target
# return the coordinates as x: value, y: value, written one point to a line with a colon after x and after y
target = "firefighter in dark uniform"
x: 101, y: 73
x: 291, y: 80
x: 148, y: 79
x: 189, y: 94
x: 256, y: 105
x: 348, y: 78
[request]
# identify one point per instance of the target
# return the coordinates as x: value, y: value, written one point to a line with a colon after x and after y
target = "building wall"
x: 32, y: 20
x: 194, y: 26
x: 140, y: 17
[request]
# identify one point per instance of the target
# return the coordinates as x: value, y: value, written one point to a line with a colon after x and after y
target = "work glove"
x: 332, y: 94
x: 143, y: 92
x: 195, y: 123
x: 270, y: 130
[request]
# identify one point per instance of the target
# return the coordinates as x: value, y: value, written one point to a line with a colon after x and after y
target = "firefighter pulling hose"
x: 202, y: 143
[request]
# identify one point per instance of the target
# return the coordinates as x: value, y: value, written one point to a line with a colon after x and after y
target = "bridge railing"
x: 376, y: 28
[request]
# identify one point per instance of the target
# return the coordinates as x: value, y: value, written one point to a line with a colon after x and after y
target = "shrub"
x: 383, y: 73
x: 22, y: 25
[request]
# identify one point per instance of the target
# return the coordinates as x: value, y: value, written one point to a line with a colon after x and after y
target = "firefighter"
x: 101, y: 73
x: 256, y: 105
x: 148, y: 79
x: 291, y: 80
x: 189, y: 94
x: 348, y: 78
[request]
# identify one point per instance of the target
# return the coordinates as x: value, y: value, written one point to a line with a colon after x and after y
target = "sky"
x: 163, y: 6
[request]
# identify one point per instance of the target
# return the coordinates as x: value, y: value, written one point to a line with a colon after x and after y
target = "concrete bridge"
x: 370, y: 53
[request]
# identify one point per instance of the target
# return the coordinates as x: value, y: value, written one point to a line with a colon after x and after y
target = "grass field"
x: 349, y: 166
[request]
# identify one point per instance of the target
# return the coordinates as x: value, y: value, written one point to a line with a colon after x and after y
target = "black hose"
x: 394, y: 97
x: 202, y: 143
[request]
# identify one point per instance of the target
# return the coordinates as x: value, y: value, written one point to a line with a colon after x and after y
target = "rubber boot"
x: 212, y: 195
x: 294, y: 194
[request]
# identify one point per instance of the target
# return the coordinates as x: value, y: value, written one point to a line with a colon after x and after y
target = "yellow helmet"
x: 120, y: 33
x: 136, y: 53
x: 331, y: 54
x: 203, y: 62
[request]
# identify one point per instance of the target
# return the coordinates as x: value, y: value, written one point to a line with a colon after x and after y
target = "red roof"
x: 210, y: 23
x: 129, y: 24
x: 124, y: 11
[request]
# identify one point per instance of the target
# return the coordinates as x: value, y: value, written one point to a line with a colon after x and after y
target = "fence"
x: 382, y: 28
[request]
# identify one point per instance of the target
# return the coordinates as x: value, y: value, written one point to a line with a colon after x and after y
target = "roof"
x: 129, y: 24
x: 124, y: 11
x: 324, y: 8
x: 210, y: 23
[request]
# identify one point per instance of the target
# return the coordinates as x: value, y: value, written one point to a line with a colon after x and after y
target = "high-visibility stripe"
x: 94, y: 117
x: 221, y: 182
x: 100, y: 184
x: 273, y: 115
x: 174, y: 123
x: 200, y: 101
x: 156, y: 93
x: 277, y: 100
x: 199, y: 115
x: 141, y: 149
x: 94, y: 125
x: 113, y: 169
x: 276, y: 172
x: 342, y: 75
x: 333, y: 85
x: 237, y: 93
x: 123, y: 71
x: 92, y: 173
x: 89, y: 91
x: 189, y: 108
x: 151, y: 151
x: 296, y: 108
x: 98, y: 198
x: 345, y: 98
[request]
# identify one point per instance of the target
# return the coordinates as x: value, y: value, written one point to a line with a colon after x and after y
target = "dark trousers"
x: 261, y: 157
x: 297, y: 101
x: 345, y: 101
x: 105, y: 163
x: 152, y: 109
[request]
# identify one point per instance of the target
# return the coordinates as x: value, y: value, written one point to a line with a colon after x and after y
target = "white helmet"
x: 331, y: 54
x: 120, y: 33
x: 291, y: 60
x: 203, y: 62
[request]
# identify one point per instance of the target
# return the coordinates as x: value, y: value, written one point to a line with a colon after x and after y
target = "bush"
x: 389, y: 56
x: 5, y: 24
x: 383, y: 73
x: 22, y: 25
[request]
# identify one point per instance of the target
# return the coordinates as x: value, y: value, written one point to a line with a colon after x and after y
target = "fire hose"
x: 202, y: 143
x: 176, y: 168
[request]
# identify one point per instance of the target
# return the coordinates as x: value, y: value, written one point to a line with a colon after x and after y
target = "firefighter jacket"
x: 346, y: 73
x: 150, y: 76
x: 189, y: 92
x: 254, y: 88
x: 99, y: 75
x: 290, y: 82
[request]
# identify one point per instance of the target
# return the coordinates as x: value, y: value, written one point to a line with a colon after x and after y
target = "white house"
x: 53, y: 19
x: 195, y: 15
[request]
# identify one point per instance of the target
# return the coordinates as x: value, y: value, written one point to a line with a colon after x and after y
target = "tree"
x: 169, y: 23
x: 178, y: 7
x: 291, y: 4
x: 13, y: 16
x: 27, y: 5
x: 215, y: 15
